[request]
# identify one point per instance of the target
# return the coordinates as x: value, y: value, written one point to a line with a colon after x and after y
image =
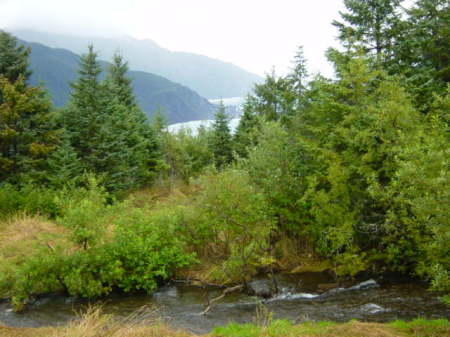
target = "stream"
x: 301, y: 297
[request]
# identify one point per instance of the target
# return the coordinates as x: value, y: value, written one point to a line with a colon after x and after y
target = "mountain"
x: 209, y: 77
x: 56, y: 68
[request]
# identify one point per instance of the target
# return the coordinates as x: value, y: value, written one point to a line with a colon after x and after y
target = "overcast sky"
x: 254, y: 34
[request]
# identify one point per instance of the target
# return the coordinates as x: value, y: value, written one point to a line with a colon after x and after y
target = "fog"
x: 257, y: 35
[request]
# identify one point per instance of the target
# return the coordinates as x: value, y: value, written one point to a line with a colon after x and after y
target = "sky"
x: 257, y: 35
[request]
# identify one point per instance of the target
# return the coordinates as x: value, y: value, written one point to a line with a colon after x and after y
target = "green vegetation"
x: 95, y: 324
x: 352, y: 172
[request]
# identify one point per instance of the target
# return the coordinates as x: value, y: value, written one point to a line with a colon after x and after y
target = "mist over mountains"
x: 56, y: 68
x: 209, y: 77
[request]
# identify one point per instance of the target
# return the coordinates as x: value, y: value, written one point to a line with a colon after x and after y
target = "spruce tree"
x: 63, y: 165
x: 299, y: 73
x: 140, y: 143
x: 87, y: 110
x: 118, y: 83
x: 274, y: 99
x: 13, y: 58
x: 221, y: 140
x: 423, y: 52
x: 245, y: 137
x: 108, y: 131
x: 27, y: 132
x: 372, y: 25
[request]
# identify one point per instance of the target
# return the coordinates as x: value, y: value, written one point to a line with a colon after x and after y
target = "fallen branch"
x: 218, y: 298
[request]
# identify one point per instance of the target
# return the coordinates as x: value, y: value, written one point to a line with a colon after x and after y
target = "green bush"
x: 29, y: 198
x: 237, y: 218
x: 149, y: 248
x: 116, y: 247
x: 83, y: 212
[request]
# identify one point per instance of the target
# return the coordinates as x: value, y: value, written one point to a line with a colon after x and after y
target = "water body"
x: 300, y: 299
x: 193, y: 126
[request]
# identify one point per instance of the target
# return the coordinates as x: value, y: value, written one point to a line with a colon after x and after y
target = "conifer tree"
x: 87, y: 110
x: 221, y: 140
x: 13, y: 58
x: 299, y: 72
x: 159, y: 121
x: 27, y: 134
x: 244, y: 137
x: 118, y: 83
x: 108, y: 131
x: 372, y: 25
x: 140, y: 140
x: 275, y: 98
x: 423, y: 52
x: 63, y: 165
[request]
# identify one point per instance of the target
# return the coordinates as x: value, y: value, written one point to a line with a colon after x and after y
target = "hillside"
x: 56, y: 68
x: 209, y: 77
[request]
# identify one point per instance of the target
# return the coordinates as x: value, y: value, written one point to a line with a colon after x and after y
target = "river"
x: 299, y: 299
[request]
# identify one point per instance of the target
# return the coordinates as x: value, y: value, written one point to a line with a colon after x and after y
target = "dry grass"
x: 94, y: 324
x: 20, y: 235
x: 162, y: 192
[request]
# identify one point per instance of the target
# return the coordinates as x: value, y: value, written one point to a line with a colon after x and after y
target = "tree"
x: 278, y: 165
x: 27, y: 133
x: 422, y: 53
x: 242, y: 224
x: 221, y: 141
x: 274, y: 99
x: 299, y: 73
x: 86, y: 111
x: 107, y: 129
x: 140, y: 141
x: 366, y: 135
x: 118, y: 83
x: 245, y: 136
x: 13, y: 58
x: 370, y: 25
x: 63, y: 165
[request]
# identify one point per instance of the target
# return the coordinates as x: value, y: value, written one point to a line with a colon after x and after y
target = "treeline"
x: 101, y: 130
x: 358, y: 166
x: 353, y: 170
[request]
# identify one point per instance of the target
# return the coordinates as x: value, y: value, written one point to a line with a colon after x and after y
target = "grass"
x: 281, y: 328
x: 95, y: 324
x: 21, y: 234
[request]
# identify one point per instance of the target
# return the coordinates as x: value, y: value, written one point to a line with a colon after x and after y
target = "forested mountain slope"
x: 209, y: 77
x: 56, y: 68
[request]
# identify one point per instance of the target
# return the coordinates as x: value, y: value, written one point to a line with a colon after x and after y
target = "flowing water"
x: 300, y: 298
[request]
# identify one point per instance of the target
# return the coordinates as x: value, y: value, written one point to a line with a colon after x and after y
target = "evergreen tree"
x: 63, y: 165
x: 140, y: 138
x: 159, y: 121
x: 108, y: 131
x: 299, y: 73
x: 13, y: 58
x: 221, y: 141
x: 87, y: 110
x: 423, y: 52
x: 118, y: 83
x: 274, y: 99
x: 372, y: 25
x: 27, y: 132
x: 245, y: 136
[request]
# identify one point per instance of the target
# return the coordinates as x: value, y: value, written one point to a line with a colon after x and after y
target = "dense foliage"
x: 352, y: 170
